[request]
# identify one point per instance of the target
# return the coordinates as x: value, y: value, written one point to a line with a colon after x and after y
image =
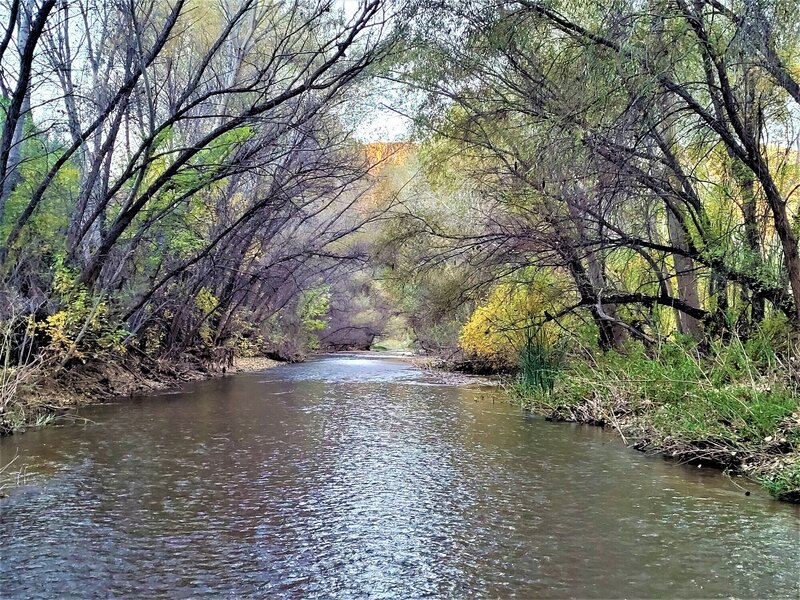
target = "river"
x: 354, y: 476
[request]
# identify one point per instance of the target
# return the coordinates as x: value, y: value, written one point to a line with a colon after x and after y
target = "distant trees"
x: 647, y: 152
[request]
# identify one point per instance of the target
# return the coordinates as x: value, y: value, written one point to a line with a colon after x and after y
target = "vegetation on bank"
x: 733, y: 406
x: 179, y: 183
x: 606, y: 195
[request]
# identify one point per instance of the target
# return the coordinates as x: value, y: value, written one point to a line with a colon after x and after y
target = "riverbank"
x: 50, y: 394
x: 773, y: 461
x: 687, y: 407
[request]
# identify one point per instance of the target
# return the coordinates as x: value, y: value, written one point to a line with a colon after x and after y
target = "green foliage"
x: 396, y: 336
x: 784, y: 482
x: 292, y: 332
x: 539, y: 365
x: 246, y: 340
x: 83, y: 327
x: 39, y: 153
x: 723, y: 386
x: 314, y: 305
x: 736, y: 414
x: 727, y: 405
x: 206, y: 303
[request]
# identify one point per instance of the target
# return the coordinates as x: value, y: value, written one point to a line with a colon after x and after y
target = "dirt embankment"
x: 55, y: 392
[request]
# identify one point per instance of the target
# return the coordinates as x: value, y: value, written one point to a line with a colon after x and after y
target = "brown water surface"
x: 364, y: 477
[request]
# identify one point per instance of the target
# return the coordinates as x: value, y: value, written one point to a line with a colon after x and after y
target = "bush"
x: 83, y: 327
x: 783, y: 482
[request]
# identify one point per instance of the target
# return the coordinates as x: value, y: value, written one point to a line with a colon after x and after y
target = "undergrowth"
x: 733, y: 404
x: 539, y: 365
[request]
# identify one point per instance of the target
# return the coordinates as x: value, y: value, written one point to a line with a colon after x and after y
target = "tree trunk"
x: 686, y: 275
x: 13, y: 176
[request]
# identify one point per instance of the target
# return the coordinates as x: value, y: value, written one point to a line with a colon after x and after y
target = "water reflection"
x: 362, y: 477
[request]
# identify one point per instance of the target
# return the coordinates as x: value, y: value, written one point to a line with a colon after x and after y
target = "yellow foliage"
x: 83, y: 327
x: 206, y: 303
x: 380, y: 154
x: 56, y: 328
x: 497, y: 329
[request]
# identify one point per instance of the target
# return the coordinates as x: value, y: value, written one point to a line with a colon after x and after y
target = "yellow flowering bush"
x: 498, y: 329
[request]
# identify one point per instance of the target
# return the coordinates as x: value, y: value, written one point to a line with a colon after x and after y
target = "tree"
x: 633, y: 151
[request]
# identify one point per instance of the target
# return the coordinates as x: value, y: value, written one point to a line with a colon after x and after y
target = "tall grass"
x: 20, y: 368
x: 539, y: 365
x: 734, y: 404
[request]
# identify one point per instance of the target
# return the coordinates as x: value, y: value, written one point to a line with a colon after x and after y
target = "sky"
x: 378, y: 122
x: 381, y: 124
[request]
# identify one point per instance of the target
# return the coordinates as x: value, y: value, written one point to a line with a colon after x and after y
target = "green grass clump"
x: 735, y: 413
x: 539, y: 366
x: 783, y: 482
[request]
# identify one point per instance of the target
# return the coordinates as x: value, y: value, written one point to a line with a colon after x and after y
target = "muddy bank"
x: 55, y: 392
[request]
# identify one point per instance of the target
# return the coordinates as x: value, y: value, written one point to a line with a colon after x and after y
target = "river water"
x: 362, y: 477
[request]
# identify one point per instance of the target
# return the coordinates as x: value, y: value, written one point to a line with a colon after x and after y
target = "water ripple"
x: 352, y: 477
